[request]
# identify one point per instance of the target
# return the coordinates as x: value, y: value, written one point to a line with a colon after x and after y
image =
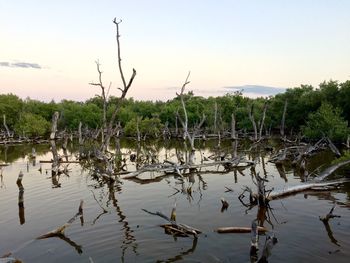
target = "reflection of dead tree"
x: 325, y: 221
x: 59, y: 232
x: 181, y: 255
x: 20, y: 198
x: 104, y: 211
x: 129, y: 238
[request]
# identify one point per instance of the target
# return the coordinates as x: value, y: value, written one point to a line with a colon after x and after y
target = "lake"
x: 114, y: 228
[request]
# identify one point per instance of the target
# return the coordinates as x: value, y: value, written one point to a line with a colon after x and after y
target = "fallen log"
x: 300, y: 188
x: 176, y: 228
x: 61, y: 161
x: 240, y: 229
x: 330, y: 170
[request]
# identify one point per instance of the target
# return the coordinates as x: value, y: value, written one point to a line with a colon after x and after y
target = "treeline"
x: 314, y: 113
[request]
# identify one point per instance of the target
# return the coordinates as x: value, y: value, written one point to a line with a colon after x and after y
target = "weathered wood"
x: 303, y: 187
x: 262, y: 120
x: 239, y: 229
x: 283, y: 118
x: 251, y: 117
x: 233, y: 126
x: 55, y: 117
x: 174, y: 226
x: 8, y: 134
x: 330, y: 170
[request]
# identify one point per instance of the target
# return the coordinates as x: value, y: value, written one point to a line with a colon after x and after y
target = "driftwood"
x: 60, y: 230
x: 176, y: 228
x: 303, y: 187
x: 330, y: 170
x: 170, y: 167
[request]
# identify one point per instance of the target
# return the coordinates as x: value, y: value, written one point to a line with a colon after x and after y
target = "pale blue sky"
x: 224, y: 44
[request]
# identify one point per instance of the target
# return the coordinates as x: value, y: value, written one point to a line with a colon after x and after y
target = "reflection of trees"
x: 11, y: 153
x: 129, y: 239
x: 181, y: 255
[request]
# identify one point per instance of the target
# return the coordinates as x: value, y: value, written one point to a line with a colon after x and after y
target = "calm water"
x: 115, y: 229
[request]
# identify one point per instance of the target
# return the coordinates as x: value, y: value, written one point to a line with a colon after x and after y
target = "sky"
x: 48, y: 49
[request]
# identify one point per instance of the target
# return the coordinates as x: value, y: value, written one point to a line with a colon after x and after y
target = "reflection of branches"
x: 182, y: 254
x: 330, y: 233
x: 2, y: 185
x: 129, y: 238
x: 104, y: 211
x: 59, y: 232
x: 77, y: 247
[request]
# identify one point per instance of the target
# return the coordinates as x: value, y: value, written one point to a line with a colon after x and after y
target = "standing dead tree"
x: 283, y: 118
x: 184, y: 122
x: 6, y: 127
x: 251, y: 117
x: 104, y: 99
x: 126, y: 85
x: 262, y: 122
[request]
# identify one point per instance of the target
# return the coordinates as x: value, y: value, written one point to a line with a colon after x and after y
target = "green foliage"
x: 149, y: 127
x: 11, y: 106
x: 32, y: 125
x: 326, y: 121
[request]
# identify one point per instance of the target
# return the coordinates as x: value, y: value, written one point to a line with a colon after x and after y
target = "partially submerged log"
x: 303, y: 187
x: 174, y: 228
x: 240, y: 229
x: 330, y: 170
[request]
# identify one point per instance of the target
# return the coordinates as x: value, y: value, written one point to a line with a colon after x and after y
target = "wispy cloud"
x: 20, y: 65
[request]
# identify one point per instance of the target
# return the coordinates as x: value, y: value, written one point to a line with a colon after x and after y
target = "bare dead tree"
x: 6, y: 127
x: 233, y: 126
x: 54, y: 125
x: 124, y: 89
x: 104, y: 99
x: 262, y: 120
x: 251, y: 117
x: 184, y: 122
x: 283, y: 118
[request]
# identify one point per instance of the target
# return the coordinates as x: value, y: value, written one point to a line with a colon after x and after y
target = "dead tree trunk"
x: 104, y: 99
x: 262, y: 120
x: 54, y: 125
x: 233, y: 126
x: 124, y: 90
x: 80, y: 134
x: 185, y: 121
x: 6, y: 127
x: 283, y: 118
x: 251, y: 117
